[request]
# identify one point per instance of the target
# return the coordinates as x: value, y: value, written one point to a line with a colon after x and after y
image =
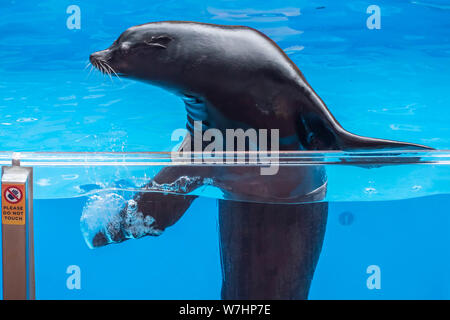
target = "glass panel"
x: 386, y: 212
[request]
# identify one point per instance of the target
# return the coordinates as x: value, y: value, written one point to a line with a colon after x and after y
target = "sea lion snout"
x: 98, y: 56
x: 105, y: 62
x: 101, y: 61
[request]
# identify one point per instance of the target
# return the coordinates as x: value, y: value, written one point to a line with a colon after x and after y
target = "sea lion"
x: 232, y: 77
x: 235, y: 77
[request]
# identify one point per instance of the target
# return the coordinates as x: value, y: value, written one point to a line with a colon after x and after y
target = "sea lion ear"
x: 159, y: 41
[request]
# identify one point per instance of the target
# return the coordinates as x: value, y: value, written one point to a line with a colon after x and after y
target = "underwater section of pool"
x: 384, y: 217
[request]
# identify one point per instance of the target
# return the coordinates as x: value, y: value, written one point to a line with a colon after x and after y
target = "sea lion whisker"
x: 87, y: 65
x: 105, y: 70
x: 113, y: 70
x: 100, y: 67
x: 106, y: 65
x: 90, y: 71
x: 95, y: 65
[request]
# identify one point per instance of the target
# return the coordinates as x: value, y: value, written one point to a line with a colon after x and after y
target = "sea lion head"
x: 144, y: 52
x: 185, y: 56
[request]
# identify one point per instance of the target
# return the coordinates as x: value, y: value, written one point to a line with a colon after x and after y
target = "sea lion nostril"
x: 98, y: 56
x: 95, y: 57
x: 101, y: 61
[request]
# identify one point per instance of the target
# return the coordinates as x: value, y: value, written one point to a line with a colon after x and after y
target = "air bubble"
x: 370, y: 190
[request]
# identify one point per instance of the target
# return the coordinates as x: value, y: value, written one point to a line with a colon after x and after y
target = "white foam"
x: 101, y: 214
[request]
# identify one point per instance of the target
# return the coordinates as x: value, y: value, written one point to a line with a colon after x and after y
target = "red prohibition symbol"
x: 13, y: 194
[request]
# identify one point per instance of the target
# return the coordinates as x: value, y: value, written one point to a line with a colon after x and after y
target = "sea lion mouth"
x: 99, y: 61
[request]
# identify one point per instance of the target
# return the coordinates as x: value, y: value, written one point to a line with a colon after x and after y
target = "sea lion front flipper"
x: 148, y: 213
x: 159, y: 211
x: 162, y: 202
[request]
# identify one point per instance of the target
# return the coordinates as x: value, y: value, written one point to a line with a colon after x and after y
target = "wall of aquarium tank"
x: 386, y: 220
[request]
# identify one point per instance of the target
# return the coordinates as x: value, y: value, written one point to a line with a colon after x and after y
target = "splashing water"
x: 183, y: 184
x: 109, y: 218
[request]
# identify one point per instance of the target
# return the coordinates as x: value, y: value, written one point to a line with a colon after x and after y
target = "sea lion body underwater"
x: 233, y: 77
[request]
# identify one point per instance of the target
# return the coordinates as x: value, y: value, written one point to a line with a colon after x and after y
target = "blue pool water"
x: 389, y: 83
x: 407, y: 239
